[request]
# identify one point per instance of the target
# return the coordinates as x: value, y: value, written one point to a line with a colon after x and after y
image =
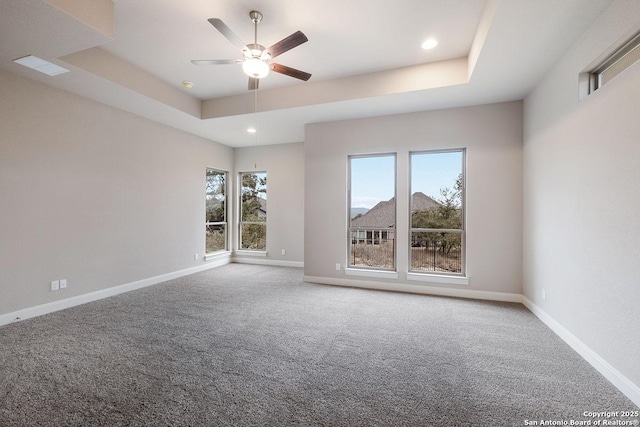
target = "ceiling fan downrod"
x: 256, y: 17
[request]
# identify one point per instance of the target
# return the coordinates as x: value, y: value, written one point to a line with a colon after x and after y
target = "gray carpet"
x: 253, y: 345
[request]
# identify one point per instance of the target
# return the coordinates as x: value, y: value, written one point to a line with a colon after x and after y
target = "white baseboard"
x: 262, y: 261
x: 621, y: 382
x: 39, y: 310
x: 416, y: 289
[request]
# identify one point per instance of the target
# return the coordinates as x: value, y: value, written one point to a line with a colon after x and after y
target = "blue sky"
x: 373, y: 178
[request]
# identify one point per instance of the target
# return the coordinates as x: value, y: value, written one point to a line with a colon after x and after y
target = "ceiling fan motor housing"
x: 255, y: 16
x: 257, y: 51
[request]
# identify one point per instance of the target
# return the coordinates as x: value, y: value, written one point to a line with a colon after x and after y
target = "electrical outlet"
x: 337, y: 267
x: 284, y: 252
x: 544, y: 294
x: 196, y: 256
x: 63, y: 283
x: 55, y: 285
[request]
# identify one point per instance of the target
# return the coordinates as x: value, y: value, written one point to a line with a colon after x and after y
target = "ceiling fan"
x: 256, y: 61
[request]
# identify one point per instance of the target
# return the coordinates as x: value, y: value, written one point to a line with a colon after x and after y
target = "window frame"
x: 240, y: 219
x: 617, y: 61
x: 348, y: 264
x: 225, y: 223
x: 462, y: 231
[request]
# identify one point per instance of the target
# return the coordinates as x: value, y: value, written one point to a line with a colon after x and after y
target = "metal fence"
x: 373, y: 248
x: 434, y: 255
x: 430, y: 251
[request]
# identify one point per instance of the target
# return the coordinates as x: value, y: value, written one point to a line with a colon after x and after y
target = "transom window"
x: 621, y: 59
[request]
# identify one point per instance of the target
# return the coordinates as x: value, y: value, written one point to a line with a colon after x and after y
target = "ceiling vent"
x: 40, y: 65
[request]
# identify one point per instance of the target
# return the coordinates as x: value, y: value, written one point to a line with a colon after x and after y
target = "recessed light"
x: 40, y: 65
x: 251, y: 130
x: 187, y: 84
x: 429, y: 44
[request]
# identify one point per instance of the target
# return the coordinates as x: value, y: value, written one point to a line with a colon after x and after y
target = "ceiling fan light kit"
x: 256, y: 62
x: 255, y: 67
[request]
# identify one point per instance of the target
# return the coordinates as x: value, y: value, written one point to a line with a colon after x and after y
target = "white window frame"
x: 424, y: 275
x: 248, y: 251
x: 358, y: 269
x: 224, y: 223
x: 615, y: 63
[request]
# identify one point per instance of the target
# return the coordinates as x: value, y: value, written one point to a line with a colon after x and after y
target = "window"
x: 437, y: 212
x: 372, y: 211
x: 253, y: 211
x: 216, y: 211
x: 614, y: 64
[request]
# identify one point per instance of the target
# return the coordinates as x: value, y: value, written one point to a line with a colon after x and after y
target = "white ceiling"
x: 345, y: 37
x: 364, y: 55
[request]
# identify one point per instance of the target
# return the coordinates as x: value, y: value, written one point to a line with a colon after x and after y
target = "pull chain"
x: 255, y: 110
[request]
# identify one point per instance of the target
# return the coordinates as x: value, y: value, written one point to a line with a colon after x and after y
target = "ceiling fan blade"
x: 226, y: 31
x: 215, y: 61
x: 292, y: 72
x: 287, y: 43
x: 253, y: 83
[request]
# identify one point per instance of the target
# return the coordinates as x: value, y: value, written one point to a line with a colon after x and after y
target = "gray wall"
x: 284, y: 164
x: 93, y: 195
x: 581, y: 197
x: 492, y: 135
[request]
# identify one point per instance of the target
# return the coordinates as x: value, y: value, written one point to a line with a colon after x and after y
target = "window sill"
x: 217, y: 255
x: 251, y: 253
x: 435, y: 278
x: 371, y: 273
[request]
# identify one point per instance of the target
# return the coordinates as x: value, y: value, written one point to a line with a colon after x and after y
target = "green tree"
x: 447, y: 215
x: 216, y: 196
x: 253, y: 197
x: 215, y: 211
x: 254, y: 187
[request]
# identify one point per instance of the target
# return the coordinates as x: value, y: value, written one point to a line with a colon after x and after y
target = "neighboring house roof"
x: 421, y: 201
x: 263, y: 204
x: 261, y: 212
x: 382, y: 215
